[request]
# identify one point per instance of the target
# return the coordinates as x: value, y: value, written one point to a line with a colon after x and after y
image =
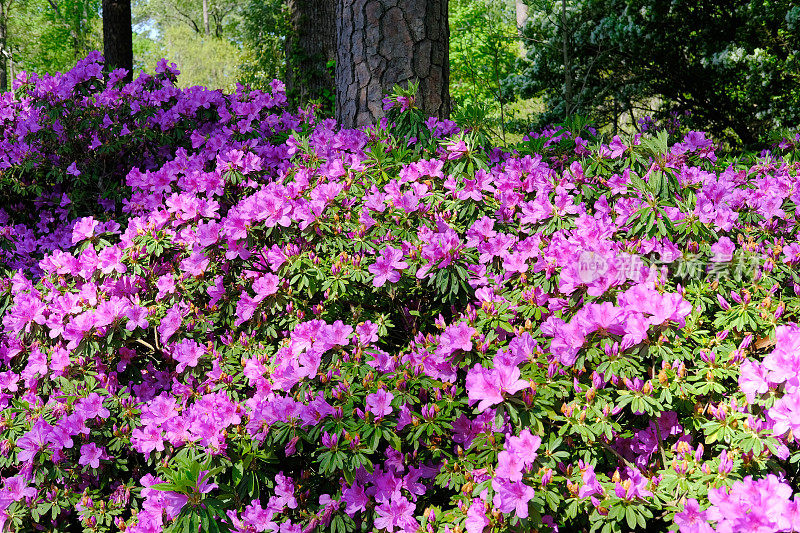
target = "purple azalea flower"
x: 722, y: 250
x: 91, y: 455
x: 387, y: 265
x: 692, y: 519
x: 396, y: 513
x: 84, y: 228
x: 16, y: 488
x: 91, y: 407
x: 380, y: 403
x: 512, y: 497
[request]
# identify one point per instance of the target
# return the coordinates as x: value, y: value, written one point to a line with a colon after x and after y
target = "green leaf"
x: 630, y: 517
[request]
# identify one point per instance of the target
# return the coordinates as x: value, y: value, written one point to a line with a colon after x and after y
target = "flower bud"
x: 590, y: 394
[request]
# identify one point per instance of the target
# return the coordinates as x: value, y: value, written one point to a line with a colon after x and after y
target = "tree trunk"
x: 521, y: 9
x: 3, y: 47
x: 11, y: 70
x: 567, y: 61
x: 386, y: 42
x: 205, y: 18
x: 118, y: 36
x: 310, y: 45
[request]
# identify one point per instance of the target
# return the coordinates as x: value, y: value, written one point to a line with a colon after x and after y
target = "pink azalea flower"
x: 84, y: 229
x: 387, y: 265
x: 723, y: 250
x: 590, y: 485
x: 91, y: 455
x: 398, y: 512
x: 187, y: 353
x: 488, y: 386
x: 692, y: 519
x: 380, y: 403
x: 512, y: 497
x: 16, y: 488
x: 196, y: 264
x: 476, y: 517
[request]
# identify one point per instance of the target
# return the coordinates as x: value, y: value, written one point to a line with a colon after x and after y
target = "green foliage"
x: 732, y: 63
x: 484, y: 46
x: 47, y: 37
x: 264, y: 29
x: 484, y: 49
x: 204, y: 60
x: 174, y: 29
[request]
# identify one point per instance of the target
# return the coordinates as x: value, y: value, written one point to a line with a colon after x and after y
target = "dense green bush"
x: 280, y: 325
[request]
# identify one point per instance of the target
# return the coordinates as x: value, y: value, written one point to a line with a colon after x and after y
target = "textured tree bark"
x: 381, y: 43
x: 118, y: 35
x: 206, y: 25
x: 310, y: 45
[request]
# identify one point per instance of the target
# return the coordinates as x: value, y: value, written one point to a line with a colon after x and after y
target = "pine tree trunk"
x: 310, y: 45
x: 386, y: 42
x: 118, y: 35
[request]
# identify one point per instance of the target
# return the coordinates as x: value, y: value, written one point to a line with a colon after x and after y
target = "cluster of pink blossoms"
x: 323, y: 340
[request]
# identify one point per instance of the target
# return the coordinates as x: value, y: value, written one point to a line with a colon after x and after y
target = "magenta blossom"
x: 692, y: 519
x: 387, y: 265
x: 91, y: 455
x: 380, y: 403
x: 488, y: 386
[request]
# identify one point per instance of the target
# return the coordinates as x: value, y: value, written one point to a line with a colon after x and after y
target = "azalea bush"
x: 253, y: 320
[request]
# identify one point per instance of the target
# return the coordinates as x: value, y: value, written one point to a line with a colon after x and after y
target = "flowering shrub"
x: 261, y: 322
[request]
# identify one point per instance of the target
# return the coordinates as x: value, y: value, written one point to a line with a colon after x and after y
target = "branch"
x: 619, y: 456
x: 189, y: 20
x: 146, y: 345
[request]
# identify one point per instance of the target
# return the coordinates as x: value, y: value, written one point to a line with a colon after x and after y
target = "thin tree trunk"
x: 11, y: 69
x: 310, y: 46
x: 567, y: 61
x: 522, y: 19
x: 205, y: 18
x: 118, y: 36
x: 3, y: 47
x: 386, y: 42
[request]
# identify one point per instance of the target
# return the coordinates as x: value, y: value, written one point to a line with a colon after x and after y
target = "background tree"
x: 204, y: 37
x: 224, y: 16
x: 311, y: 52
x: 206, y: 61
x: 118, y: 35
x: 74, y: 18
x: 46, y: 36
x: 484, y: 49
x: 386, y: 42
x: 733, y: 64
x: 5, y: 54
x: 264, y: 27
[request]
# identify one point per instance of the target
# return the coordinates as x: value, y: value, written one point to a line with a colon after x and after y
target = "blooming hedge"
x: 219, y: 315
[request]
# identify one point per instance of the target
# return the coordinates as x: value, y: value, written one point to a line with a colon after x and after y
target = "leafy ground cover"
x: 220, y: 315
